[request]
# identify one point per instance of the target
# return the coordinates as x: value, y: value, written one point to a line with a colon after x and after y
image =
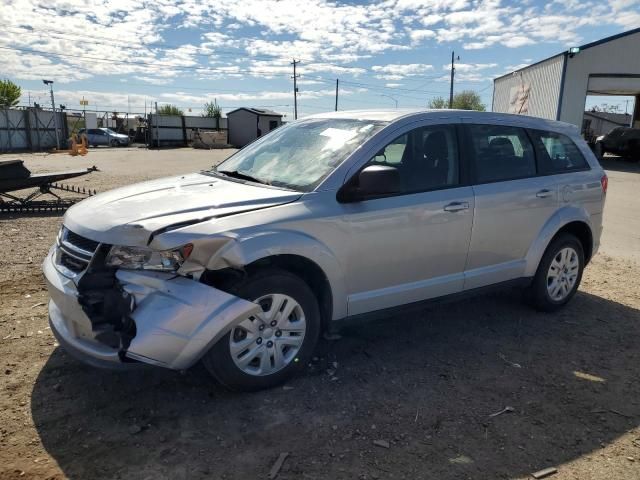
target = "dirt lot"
x: 424, y: 385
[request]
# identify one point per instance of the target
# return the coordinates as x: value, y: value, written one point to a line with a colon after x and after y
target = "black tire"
x: 538, y: 293
x: 218, y: 360
x: 113, y: 143
x: 633, y: 154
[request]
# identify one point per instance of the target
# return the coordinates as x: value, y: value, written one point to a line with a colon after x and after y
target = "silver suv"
x: 244, y: 265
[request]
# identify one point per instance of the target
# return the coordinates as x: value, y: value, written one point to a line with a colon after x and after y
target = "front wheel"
x: 559, y: 273
x: 114, y: 143
x: 267, y: 349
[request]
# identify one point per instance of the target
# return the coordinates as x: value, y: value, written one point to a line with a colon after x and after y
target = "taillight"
x: 604, y: 181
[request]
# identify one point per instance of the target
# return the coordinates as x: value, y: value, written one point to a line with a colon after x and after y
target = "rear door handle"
x: 544, y: 193
x: 456, y: 206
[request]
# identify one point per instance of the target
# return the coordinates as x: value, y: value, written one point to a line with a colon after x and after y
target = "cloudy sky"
x: 121, y: 54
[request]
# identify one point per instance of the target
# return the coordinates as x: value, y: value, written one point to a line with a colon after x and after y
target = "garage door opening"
x: 613, y: 101
x: 603, y: 113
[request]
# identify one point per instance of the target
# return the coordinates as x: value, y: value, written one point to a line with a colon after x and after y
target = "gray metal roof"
x: 582, y: 47
x: 622, y: 119
x: 258, y: 111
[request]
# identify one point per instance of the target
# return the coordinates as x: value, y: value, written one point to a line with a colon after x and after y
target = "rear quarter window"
x: 557, y: 153
x: 501, y: 153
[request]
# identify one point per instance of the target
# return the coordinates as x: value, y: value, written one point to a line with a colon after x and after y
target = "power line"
x: 167, y: 47
x: 366, y: 86
x: 144, y: 64
x: 375, y: 87
x: 117, y: 42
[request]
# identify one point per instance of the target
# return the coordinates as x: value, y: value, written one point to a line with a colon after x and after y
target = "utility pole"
x: 157, y: 127
x: 53, y: 107
x: 295, y: 89
x: 337, y: 82
x: 453, y: 70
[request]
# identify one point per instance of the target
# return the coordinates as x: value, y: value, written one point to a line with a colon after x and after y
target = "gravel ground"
x: 408, y: 397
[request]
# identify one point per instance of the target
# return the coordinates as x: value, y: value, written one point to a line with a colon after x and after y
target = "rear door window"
x: 501, y: 153
x: 557, y: 152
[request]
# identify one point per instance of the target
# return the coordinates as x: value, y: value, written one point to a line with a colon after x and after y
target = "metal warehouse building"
x: 557, y: 88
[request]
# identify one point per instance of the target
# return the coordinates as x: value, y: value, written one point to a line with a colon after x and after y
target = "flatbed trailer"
x: 15, y: 177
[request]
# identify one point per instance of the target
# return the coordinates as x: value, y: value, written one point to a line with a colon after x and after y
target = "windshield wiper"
x: 241, y: 176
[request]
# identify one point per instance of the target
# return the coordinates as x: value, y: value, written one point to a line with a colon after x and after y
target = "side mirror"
x: 379, y: 180
x: 374, y: 180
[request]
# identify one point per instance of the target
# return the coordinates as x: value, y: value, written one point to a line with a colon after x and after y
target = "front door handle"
x: 456, y: 206
x: 544, y: 193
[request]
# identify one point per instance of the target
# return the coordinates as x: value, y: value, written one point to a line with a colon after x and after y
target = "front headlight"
x: 140, y: 258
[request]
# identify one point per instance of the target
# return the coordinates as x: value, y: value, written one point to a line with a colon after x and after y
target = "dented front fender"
x: 178, y: 319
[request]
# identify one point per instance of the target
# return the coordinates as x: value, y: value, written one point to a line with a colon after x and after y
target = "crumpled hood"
x: 128, y: 215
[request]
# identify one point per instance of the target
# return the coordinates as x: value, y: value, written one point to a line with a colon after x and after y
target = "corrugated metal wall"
x: 178, y: 130
x: 30, y: 130
x: 543, y: 81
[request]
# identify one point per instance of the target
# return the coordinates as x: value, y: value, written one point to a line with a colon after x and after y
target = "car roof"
x: 393, y: 115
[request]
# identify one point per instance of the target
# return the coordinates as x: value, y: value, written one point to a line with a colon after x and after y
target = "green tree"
x: 438, y: 102
x: 465, y: 100
x: 213, y: 110
x: 169, y: 110
x: 9, y: 93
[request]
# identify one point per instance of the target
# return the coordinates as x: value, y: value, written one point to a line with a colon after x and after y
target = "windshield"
x: 616, y: 132
x: 302, y: 154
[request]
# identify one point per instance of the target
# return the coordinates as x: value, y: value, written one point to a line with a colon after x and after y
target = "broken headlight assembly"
x: 140, y: 258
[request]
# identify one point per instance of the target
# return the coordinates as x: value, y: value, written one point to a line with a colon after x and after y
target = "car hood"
x: 130, y: 215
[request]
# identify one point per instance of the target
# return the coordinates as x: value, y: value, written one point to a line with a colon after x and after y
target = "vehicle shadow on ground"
x: 426, y: 384
x: 620, y: 164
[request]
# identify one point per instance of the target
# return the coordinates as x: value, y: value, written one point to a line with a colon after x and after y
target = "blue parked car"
x: 104, y: 136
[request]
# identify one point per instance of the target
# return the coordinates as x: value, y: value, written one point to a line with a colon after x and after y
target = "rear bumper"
x: 177, y: 319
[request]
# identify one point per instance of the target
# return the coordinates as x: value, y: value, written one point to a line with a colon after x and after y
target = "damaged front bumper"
x: 171, y: 321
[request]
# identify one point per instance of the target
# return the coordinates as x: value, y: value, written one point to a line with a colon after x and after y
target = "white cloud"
x: 395, y: 71
x: 257, y: 38
x: 469, y: 67
x: 153, y: 80
x: 418, y: 35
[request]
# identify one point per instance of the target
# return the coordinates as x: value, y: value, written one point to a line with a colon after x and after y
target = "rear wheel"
x: 267, y: 349
x: 559, y: 273
x: 634, y: 150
